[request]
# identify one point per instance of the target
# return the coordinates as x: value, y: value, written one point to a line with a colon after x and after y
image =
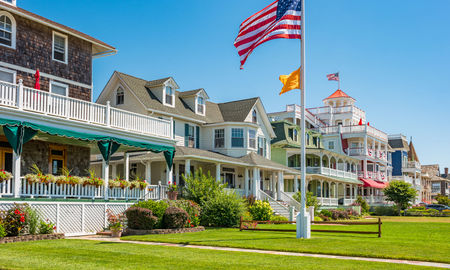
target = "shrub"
x: 278, y: 218
x: 421, y: 212
x: 33, y: 220
x: 158, y: 209
x: 46, y: 227
x: 223, y: 210
x: 16, y: 220
x: 175, y: 218
x: 326, y: 213
x: 2, y: 230
x: 385, y: 211
x: 140, y: 218
x: 200, y: 187
x: 260, y: 210
x: 441, y: 199
x: 365, y: 207
x: 339, y: 214
x: 192, y: 208
x: 311, y: 200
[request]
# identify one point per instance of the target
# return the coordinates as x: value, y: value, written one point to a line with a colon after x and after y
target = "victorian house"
x: 229, y: 140
x: 440, y: 183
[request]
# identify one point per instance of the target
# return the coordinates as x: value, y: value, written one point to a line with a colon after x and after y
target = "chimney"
x: 446, y: 171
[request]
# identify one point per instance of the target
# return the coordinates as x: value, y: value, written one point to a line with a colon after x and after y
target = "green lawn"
x: 402, y: 238
x: 86, y: 254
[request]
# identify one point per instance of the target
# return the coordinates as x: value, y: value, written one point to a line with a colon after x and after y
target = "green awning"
x: 19, y: 132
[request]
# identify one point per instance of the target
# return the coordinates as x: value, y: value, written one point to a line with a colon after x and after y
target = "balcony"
x: 412, y: 167
x: 360, y: 151
x: 21, y: 98
x: 377, y: 176
x: 355, y: 129
x: 331, y: 172
x: 337, y: 110
x: 311, y: 117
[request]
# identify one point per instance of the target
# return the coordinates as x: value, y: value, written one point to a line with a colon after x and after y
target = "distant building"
x: 439, y: 185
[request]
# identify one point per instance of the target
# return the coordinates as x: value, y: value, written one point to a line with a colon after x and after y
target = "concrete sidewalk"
x: 408, y: 262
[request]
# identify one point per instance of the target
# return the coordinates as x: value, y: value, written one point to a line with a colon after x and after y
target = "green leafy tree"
x: 311, y: 200
x: 401, y: 193
x: 200, y: 187
x: 441, y: 199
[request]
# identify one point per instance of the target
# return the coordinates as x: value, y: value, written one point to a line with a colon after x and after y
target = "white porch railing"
x: 348, y: 201
x: 65, y: 191
x: 291, y: 201
x: 29, y: 99
x: 376, y: 199
x: 331, y: 172
x: 328, y: 201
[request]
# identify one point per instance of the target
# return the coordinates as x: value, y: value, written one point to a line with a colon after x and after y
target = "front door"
x: 6, y: 159
x: 229, y: 180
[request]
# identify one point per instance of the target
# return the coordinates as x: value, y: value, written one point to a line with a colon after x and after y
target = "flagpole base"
x: 303, y: 225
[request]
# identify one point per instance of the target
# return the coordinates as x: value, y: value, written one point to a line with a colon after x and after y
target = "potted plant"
x: 172, y: 193
x: 92, y: 180
x: 138, y: 183
x: 5, y: 176
x: 116, y: 223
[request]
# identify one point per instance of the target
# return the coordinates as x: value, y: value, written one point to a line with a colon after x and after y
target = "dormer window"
x: 200, y: 105
x: 120, y: 96
x: 169, y: 96
x: 7, y: 30
x: 254, y: 117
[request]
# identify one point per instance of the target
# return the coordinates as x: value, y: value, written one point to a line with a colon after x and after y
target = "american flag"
x: 333, y: 77
x: 281, y: 19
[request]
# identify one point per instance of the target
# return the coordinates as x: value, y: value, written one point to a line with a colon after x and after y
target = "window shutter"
x: 173, y: 129
x: 197, y: 138
x: 186, y: 135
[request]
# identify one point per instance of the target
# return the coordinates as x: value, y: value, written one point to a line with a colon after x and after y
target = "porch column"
x: 105, y: 175
x: 336, y: 195
x: 280, y: 184
x: 16, y: 174
x: 113, y: 171
x: 295, y: 183
x: 187, y: 167
x: 169, y: 175
x: 255, y: 176
x: 246, y: 181
x: 148, y: 171
x: 321, y: 189
x: 127, y: 166
x: 218, y: 173
x: 274, y: 185
x: 321, y: 160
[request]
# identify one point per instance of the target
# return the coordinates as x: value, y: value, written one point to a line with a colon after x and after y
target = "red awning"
x: 385, y: 184
x: 372, y: 183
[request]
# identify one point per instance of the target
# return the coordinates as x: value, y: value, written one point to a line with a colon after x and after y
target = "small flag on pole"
x: 291, y: 81
x: 281, y: 19
x: 333, y: 76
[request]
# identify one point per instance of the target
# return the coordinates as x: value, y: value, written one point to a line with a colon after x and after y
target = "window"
x: 254, y: 117
x: 295, y: 135
x: 6, y: 31
x: 237, y: 137
x: 307, y: 138
x: 315, y: 141
x: 252, y: 139
x: 294, y: 161
x: 59, y: 47
x: 169, y: 95
x: 219, y: 138
x: 7, y: 75
x: 191, y: 136
x: 435, y: 187
x: 57, y: 159
x: 330, y: 145
x: 261, y: 146
x: 200, y: 105
x: 59, y: 88
x: 120, y: 96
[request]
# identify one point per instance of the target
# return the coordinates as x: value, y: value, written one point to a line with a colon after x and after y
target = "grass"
x: 402, y: 238
x: 86, y: 254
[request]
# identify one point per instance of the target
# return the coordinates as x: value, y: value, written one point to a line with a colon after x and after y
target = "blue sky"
x: 394, y: 56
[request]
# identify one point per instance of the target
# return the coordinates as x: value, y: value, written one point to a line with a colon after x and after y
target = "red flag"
x: 368, y: 123
x: 360, y: 122
x: 36, y: 83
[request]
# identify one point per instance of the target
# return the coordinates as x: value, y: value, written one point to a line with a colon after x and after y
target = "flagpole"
x: 339, y: 80
x: 302, y: 232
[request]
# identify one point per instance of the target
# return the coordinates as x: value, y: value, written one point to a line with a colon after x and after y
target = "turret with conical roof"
x: 339, y: 99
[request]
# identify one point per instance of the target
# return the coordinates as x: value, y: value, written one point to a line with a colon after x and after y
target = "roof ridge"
x: 238, y: 100
x: 132, y: 76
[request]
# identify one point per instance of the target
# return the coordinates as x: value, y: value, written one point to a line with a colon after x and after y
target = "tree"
x: 441, y: 199
x: 401, y: 193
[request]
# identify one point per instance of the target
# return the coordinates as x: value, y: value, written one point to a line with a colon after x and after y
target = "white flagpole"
x: 303, y: 230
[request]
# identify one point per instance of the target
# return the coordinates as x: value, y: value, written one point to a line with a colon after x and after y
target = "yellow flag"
x: 291, y: 81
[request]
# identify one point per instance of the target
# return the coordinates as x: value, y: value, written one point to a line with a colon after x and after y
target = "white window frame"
x: 255, y: 139
x: 60, y: 85
x: 223, y: 138
x: 197, y: 104
x: 10, y: 71
x: 66, y: 54
x: 117, y: 91
x: 243, y: 137
x: 173, y: 96
x: 331, y: 145
x: 13, y: 29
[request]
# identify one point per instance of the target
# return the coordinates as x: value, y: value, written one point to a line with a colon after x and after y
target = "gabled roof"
x: 412, y: 155
x: 398, y: 144
x: 102, y: 46
x: 339, y: 94
x: 237, y: 111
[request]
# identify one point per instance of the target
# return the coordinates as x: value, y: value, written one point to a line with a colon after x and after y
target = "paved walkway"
x: 418, y: 263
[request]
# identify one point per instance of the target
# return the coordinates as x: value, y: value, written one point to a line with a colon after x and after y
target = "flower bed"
x: 26, y: 238
x: 129, y: 231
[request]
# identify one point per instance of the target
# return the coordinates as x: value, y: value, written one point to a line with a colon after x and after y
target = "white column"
x: 127, y: 166
x: 187, y: 167
x: 295, y: 183
x: 169, y: 175
x: 255, y: 176
x: 113, y: 171
x: 176, y: 171
x: 246, y: 181
x: 280, y: 185
x: 218, y: 173
x: 16, y: 174
x: 148, y: 172
x: 321, y: 189
x: 105, y: 175
x: 321, y: 160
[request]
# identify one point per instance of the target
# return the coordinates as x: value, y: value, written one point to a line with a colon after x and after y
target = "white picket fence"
x: 29, y: 99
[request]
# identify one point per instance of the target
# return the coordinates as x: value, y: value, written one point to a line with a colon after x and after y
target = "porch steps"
x: 279, y: 209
